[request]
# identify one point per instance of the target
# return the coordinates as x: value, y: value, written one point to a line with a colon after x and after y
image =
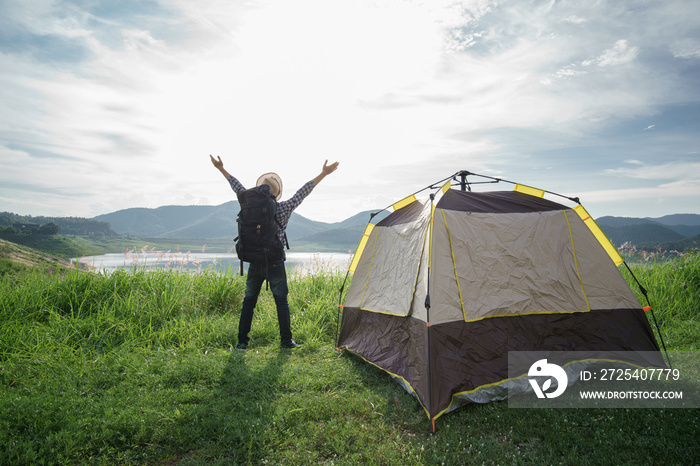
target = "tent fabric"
x: 519, y: 264
x: 495, y: 202
x: 395, y: 345
x: 510, y: 270
x: 387, y: 273
x: 484, y: 345
x: 500, y: 272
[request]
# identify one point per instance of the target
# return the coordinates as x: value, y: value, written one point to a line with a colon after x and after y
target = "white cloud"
x: 618, y: 54
x: 679, y: 170
x: 681, y: 194
x: 686, y: 48
x: 575, y: 19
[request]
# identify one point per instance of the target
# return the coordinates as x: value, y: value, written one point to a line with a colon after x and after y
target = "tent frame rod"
x: 461, y: 178
x: 464, y: 173
x: 651, y: 309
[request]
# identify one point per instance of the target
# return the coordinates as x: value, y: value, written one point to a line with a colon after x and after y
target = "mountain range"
x: 219, y: 222
x: 647, y: 231
x: 672, y: 232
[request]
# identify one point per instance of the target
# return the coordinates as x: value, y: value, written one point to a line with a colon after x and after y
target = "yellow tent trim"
x: 404, y: 202
x: 383, y: 312
x: 446, y: 186
x: 481, y: 387
x: 361, y: 247
x: 469, y: 392
x: 430, y: 238
x: 598, y: 233
x: 527, y: 314
x: 521, y: 188
x: 369, y: 272
x: 454, y: 264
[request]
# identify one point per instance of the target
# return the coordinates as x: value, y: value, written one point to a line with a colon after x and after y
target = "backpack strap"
x: 284, y: 232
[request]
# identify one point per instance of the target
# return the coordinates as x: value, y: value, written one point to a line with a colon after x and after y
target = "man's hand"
x: 217, y: 163
x: 328, y: 169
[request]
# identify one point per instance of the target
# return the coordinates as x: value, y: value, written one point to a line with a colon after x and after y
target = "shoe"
x: 289, y: 345
x: 241, y: 346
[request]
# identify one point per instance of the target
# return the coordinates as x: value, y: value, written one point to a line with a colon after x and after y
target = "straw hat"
x: 274, y: 181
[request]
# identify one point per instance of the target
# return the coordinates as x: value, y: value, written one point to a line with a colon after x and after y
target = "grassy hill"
x: 59, y: 245
x: 16, y: 258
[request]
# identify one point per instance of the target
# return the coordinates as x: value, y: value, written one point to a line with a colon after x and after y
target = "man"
x: 277, y: 274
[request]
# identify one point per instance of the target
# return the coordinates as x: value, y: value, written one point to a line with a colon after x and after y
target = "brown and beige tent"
x: 442, y: 289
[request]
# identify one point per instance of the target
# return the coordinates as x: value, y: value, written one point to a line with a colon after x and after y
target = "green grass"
x: 138, y: 368
x: 11, y: 267
x: 65, y: 247
x: 674, y: 293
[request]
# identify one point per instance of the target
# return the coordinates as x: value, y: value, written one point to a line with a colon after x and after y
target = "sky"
x: 111, y: 105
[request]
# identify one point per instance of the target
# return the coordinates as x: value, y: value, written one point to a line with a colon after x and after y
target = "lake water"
x: 298, y: 262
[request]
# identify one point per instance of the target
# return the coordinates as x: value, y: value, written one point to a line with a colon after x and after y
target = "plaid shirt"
x: 284, y: 208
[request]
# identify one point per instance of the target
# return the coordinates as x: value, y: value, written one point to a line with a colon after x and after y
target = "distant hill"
x: 174, y: 221
x: 218, y: 222
x: 638, y: 231
x: 678, y: 219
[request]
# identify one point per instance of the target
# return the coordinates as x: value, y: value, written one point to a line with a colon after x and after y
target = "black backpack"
x: 258, y: 239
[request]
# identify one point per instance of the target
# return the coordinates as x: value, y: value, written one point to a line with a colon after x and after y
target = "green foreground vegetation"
x: 139, y: 368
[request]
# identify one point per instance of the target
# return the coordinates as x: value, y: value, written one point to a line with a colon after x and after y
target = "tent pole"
x: 650, y: 308
x: 427, y: 317
x: 463, y: 181
x: 340, y: 307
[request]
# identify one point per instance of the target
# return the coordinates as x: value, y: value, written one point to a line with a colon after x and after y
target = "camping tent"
x: 441, y: 292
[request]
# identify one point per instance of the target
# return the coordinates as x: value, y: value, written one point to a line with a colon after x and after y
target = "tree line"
x: 29, y: 225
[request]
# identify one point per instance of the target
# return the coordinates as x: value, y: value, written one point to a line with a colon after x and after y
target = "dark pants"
x: 277, y: 276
